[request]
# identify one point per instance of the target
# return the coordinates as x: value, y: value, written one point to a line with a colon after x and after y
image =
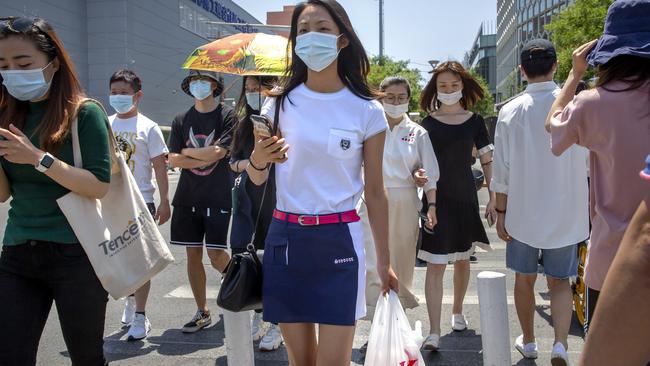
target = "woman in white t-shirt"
x: 409, y: 163
x: 330, y: 127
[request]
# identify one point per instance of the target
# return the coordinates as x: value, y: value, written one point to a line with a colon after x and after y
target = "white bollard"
x: 495, y: 328
x: 239, y: 342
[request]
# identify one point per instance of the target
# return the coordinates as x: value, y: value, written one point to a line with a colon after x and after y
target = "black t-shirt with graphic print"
x: 207, y: 187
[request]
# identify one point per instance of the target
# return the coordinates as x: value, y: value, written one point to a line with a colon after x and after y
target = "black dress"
x: 459, y: 226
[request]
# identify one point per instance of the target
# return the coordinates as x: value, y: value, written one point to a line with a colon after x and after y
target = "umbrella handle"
x: 228, y: 88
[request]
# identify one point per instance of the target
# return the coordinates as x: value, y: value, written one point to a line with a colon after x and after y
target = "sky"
x: 415, y: 30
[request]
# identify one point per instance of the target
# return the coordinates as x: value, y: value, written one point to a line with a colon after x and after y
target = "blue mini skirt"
x: 314, y: 274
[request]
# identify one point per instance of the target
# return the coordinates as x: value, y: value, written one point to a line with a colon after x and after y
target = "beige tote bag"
x: 118, y: 233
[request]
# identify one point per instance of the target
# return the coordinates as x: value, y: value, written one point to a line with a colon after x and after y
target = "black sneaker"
x: 199, y: 321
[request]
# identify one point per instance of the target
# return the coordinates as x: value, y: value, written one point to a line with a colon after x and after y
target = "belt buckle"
x: 301, y: 219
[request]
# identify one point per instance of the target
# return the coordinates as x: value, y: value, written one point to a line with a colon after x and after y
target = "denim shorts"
x: 558, y: 263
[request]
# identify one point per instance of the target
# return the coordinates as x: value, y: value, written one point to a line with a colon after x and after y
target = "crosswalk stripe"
x: 473, y: 300
x: 185, y: 292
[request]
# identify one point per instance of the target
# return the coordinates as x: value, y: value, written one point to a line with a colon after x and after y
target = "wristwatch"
x: 45, y: 163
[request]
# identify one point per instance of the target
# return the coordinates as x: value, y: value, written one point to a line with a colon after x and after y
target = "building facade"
x: 519, y: 21
x: 151, y: 37
x: 281, y: 18
x: 482, y: 57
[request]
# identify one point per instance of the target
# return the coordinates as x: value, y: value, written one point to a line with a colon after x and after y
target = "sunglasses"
x: 18, y: 25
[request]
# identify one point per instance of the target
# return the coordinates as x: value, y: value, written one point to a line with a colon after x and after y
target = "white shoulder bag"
x: 118, y: 233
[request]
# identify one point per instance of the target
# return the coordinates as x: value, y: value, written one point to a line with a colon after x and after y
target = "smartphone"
x: 262, y: 124
x: 490, y: 220
x: 425, y: 220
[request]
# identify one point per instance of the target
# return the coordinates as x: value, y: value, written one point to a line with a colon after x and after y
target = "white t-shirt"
x: 140, y: 140
x: 326, y: 132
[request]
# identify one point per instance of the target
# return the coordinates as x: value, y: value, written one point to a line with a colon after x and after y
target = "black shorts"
x: 191, y: 225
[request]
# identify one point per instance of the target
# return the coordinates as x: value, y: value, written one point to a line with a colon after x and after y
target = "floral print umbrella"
x: 242, y: 54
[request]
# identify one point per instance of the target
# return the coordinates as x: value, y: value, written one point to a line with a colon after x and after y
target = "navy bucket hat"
x: 627, y: 32
x: 185, y: 84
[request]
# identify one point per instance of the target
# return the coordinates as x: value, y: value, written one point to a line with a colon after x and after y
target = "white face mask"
x: 317, y: 50
x: 255, y: 100
x: 450, y: 99
x: 121, y: 103
x: 200, y: 89
x: 26, y: 85
x: 396, y: 111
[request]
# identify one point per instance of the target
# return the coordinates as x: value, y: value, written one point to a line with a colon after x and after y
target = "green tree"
x: 485, y: 107
x: 579, y: 23
x: 380, y: 68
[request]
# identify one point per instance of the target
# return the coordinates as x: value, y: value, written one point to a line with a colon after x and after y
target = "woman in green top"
x: 41, y: 258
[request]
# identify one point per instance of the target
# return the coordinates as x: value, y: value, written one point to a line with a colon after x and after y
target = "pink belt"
x: 314, y: 220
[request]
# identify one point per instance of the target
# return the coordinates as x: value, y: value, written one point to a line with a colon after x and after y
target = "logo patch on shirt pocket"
x: 343, y: 144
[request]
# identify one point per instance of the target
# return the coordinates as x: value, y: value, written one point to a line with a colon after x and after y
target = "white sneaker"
x: 139, y: 329
x: 458, y: 322
x: 559, y: 356
x: 528, y: 350
x: 258, y: 328
x: 431, y: 343
x: 129, y: 310
x: 272, y: 339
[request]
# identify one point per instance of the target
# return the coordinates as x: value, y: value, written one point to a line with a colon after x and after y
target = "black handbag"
x: 241, y: 288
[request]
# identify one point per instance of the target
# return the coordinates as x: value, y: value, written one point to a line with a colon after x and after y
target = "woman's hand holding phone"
x: 268, y: 150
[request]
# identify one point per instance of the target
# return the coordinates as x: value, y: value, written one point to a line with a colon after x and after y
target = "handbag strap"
x: 74, y: 130
x: 276, y: 122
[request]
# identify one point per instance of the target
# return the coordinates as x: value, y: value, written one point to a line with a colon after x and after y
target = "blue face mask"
x: 26, y: 85
x: 200, y: 89
x: 317, y: 50
x: 254, y: 100
x: 121, y: 103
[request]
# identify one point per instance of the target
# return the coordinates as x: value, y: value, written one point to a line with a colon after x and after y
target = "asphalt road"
x: 171, y: 305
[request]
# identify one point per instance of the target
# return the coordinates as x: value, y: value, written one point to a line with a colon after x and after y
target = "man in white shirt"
x: 142, y: 143
x: 542, y: 200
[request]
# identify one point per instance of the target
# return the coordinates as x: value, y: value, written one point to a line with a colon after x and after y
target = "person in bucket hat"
x: 619, y: 332
x: 199, y: 144
x: 612, y: 121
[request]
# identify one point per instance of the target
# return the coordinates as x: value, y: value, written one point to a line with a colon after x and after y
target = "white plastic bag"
x: 392, y: 342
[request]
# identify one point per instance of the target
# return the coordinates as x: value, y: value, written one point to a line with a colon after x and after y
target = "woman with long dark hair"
x: 330, y: 127
x: 42, y: 260
x: 252, y: 207
x: 613, y: 122
x: 454, y: 132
